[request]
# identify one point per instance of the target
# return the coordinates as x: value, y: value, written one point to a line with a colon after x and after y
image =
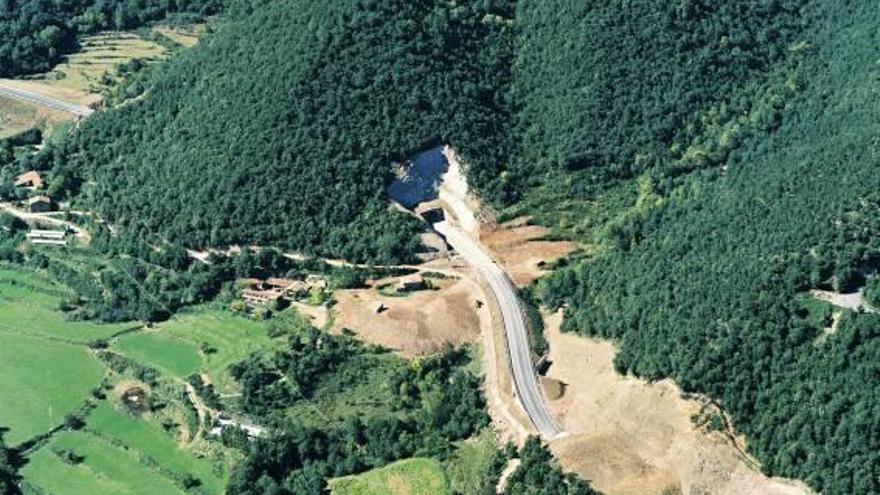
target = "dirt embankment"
x: 522, y: 249
x: 630, y: 436
x: 417, y: 324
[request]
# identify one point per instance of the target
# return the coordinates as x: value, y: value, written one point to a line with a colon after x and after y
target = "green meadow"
x: 198, y: 340
x: 40, y: 382
x: 29, y: 306
x: 105, y: 469
x: 170, y: 355
x: 121, y: 454
x: 417, y: 476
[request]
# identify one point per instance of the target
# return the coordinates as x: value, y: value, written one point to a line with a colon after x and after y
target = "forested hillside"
x: 35, y: 34
x: 704, y: 275
x: 281, y: 128
x: 720, y: 157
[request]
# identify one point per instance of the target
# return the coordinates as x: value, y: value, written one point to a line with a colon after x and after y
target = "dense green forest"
x: 425, y: 405
x: 35, y: 34
x: 701, y: 276
x: 8, y: 469
x: 720, y: 157
x: 280, y: 129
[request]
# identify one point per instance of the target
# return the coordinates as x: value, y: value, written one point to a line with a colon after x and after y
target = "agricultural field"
x: 40, y: 382
x: 151, y: 443
x: 42, y: 364
x: 199, y: 340
x: 30, y: 307
x: 105, y: 469
x: 185, y: 36
x: 82, y: 76
x: 82, y: 72
x: 170, y: 355
x: 417, y: 476
x: 17, y: 116
x: 117, y: 452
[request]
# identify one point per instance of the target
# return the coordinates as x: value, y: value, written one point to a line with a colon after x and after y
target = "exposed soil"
x: 317, y: 315
x: 853, y: 301
x: 630, y: 436
x: 519, y: 248
x: 417, y: 324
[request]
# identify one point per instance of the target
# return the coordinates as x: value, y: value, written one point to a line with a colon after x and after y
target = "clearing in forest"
x: 417, y: 476
x: 420, y: 323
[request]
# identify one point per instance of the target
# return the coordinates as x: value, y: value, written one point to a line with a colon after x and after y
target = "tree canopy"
x: 35, y: 34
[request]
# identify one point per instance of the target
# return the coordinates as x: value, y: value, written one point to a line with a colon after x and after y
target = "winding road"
x: 525, y: 378
x: 46, y: 101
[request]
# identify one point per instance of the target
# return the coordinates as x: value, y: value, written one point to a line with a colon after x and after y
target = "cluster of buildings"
x: 39, y: 203
x: 259, y: 292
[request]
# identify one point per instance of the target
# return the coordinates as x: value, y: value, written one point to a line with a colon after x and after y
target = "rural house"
x: 39, y: 204
x: 30, y: 180
x: 255, y: 296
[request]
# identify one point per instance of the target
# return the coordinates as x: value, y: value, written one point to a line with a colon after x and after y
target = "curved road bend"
x: 46, y: 101
x: 525, y: 378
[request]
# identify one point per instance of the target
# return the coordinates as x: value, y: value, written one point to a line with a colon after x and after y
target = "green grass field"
x: 40, y: 382
x: 408, y: 477
x: 105, y: 470
x: 231, y: 338
x: 148, y: 439
x: 30, y: 307
x: 170, y: 355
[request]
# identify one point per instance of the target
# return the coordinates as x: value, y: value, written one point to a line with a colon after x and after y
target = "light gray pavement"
x: 46, y: 101
x: 525, y: 378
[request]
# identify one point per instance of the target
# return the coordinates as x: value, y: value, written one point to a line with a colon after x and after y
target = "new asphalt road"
x: 525, y: 378
x: 46, y: 101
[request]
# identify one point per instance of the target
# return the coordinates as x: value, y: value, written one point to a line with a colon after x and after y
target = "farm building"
x: 39, y: 204
x: 31, y: 180
x: 50, y: 237
x: 411, y: 282
x: 258, y: 291
x: 286, y: 285
x: 254, y: 296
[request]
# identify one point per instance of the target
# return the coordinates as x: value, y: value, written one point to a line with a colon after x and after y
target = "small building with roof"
x: 39, y: 204
x: 30, y: 179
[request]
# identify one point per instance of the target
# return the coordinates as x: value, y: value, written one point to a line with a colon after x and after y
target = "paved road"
x: 46, y: 101
x: 525, y: 377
